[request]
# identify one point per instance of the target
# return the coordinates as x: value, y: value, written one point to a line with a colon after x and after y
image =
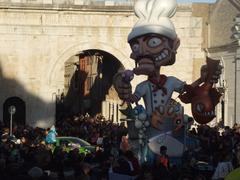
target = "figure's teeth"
x: 199, y: 107
x: 164, y: 55
x: 165, y: 51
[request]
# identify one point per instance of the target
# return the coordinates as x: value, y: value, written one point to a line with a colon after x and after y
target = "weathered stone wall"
x: 222, y: 46
x: 221, y: 22
x: 35, y: 43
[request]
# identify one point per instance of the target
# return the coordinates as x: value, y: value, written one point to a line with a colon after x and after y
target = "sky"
x: 205, y: 1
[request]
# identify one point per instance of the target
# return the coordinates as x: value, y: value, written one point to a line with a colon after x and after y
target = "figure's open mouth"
x: 202, y: 113
x: 200, y: 109
x: 146, y: 64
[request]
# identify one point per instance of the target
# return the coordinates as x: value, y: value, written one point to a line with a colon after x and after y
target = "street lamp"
x: 12, y: 111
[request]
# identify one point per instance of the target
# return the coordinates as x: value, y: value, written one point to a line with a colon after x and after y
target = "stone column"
x: 103, y: 108
x: 114, y: 111
x: 237, y: 85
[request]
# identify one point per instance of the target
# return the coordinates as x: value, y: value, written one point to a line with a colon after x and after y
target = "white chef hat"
x: 154, y: 17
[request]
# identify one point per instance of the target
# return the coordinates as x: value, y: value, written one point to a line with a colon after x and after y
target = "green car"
x: 69, y: 143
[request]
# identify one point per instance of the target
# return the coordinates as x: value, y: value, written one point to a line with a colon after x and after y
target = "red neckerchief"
x: 159, y: 84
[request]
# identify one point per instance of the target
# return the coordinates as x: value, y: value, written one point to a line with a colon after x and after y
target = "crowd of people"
x: 28, y: 156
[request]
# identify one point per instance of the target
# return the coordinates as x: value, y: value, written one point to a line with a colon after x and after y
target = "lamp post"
x: 12, y: 111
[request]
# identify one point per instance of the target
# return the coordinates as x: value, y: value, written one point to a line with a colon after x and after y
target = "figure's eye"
x: 154, y: 42
x: 135, y: 47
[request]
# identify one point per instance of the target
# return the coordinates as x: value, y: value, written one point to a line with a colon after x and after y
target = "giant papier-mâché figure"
x: 154, y: 44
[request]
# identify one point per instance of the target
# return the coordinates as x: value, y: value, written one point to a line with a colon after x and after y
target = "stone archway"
x: 89, y: 81
x: 19, y: 118
x: 56, y: 69
x: 56, y: 64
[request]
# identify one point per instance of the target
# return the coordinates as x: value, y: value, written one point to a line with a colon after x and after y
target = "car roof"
x: 75, y: 138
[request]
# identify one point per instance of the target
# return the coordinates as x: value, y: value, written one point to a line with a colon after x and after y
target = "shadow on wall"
x: 36, y: 113
x: 72, y: 102
x: 88, y: 90
x: 101, y: 86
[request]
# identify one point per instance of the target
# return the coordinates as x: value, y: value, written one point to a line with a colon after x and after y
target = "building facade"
x: 223, y: 45
x: 39, y: 37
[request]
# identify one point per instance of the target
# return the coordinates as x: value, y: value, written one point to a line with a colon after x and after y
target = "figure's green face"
x: 151, y: 51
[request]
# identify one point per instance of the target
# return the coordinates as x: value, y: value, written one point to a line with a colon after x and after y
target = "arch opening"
x: 19, y: 117
x: 88, y: 85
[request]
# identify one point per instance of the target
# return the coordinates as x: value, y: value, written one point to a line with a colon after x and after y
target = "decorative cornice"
x: 93, y: 7
x: 226, y: 47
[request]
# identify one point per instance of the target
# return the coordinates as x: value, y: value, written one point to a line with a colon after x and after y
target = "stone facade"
x: 224, y: 47
x: 39, y: 36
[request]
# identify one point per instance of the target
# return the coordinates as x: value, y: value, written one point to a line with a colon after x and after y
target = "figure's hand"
x: 123, y: 87
x: 215, y: 77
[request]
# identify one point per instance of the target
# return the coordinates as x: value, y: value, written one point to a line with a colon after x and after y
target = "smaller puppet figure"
x: 204, y: 97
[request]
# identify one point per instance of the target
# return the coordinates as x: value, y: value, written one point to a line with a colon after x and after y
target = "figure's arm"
x: 197, y: 82
x: 214, y: 72
x: 205, y: 70
x: 124, y: 89
x: 204, y: 75
x: 121, y: 82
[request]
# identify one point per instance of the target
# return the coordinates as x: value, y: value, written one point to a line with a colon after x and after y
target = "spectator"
x: 35, y: 173
x: 123, y: 166
x: 224, y: 167
x: 134, y: 162
x: 161, y: 168
x: 85, y: 169
x: 163, y: 159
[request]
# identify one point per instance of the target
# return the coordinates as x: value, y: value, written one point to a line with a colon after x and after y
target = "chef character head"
x: 153, y: 39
